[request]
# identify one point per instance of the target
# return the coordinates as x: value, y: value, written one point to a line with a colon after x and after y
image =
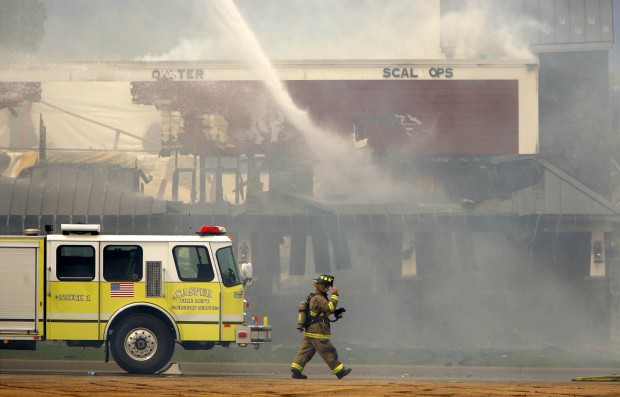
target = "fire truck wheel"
x: 142, y: 344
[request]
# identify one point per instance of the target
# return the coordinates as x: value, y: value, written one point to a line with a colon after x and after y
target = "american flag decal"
x: 124, y: 290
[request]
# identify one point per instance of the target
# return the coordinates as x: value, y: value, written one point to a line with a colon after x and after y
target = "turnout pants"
x: 326, y: 350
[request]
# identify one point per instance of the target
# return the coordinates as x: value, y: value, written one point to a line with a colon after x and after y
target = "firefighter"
x: 317, y: 330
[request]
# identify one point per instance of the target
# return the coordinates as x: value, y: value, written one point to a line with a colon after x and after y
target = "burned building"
x: 439, y: 188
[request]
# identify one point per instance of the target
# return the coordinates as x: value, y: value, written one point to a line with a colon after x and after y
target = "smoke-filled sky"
x: 288, y: 29
x: 615, y: 53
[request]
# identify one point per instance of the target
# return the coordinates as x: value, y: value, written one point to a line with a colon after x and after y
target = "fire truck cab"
x: 138, y: 295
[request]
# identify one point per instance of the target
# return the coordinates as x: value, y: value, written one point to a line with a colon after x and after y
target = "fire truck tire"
x: 142, y: 344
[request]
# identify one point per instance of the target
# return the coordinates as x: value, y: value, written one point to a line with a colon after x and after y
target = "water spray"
x: 338, y: 166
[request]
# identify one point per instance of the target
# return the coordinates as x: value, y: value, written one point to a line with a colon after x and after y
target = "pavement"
x: 319, y: 370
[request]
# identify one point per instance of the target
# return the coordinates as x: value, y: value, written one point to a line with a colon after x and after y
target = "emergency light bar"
x: 79, y: 228
x: 211, y: 230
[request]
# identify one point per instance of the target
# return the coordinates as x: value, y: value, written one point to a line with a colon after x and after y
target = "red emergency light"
x: 206, y: 230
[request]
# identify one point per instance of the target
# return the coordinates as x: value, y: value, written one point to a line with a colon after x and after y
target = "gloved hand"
x: 335, y: 291
x: 338, y: 312
x: 300, y: 328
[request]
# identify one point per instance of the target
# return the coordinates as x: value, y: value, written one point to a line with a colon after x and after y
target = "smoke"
x: 292, y: 29
x: 466, y: 32
x: 188, y: 49
x: 521, y: 292
x: 356, y: 177
x: 319, y: 29
x: 518, y: 300
x: 487, y: 29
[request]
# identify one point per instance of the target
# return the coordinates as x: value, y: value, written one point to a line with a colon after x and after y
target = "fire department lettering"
x: 194, y: 307
x: 185, y: 292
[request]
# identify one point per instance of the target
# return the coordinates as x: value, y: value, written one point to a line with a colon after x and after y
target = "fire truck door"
x: 193, y: 293
x: 73, y: 291
x: 122, y: 276
x: 232, y: 293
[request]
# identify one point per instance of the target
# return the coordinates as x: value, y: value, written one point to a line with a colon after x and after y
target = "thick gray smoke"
x: 514, y: 290
x: 356, y: 176
x: 320, y: 29
x: 488, y: 29
x: 501, y: 297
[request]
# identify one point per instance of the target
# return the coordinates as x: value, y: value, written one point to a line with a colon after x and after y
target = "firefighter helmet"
x: 325, y: 279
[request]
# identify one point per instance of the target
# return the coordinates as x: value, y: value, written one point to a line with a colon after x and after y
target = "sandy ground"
x: 181, y: 385
x: 94, y: 378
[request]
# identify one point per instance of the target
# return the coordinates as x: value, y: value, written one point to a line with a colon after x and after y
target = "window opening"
x: 228, y: 267
x: 192, y: 263
x: 122, y: 263
x: 75, y: 263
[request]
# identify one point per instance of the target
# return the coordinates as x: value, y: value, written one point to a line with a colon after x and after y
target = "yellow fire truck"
x: 135, y: 295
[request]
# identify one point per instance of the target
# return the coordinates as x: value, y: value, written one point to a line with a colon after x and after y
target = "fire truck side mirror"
x: 246, y: 273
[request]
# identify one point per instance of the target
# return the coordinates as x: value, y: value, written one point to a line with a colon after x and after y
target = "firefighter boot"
x: 343, y: 372
x: 296, y: 374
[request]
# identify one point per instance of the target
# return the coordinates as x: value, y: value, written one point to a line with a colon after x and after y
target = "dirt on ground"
x: 151, y: 386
